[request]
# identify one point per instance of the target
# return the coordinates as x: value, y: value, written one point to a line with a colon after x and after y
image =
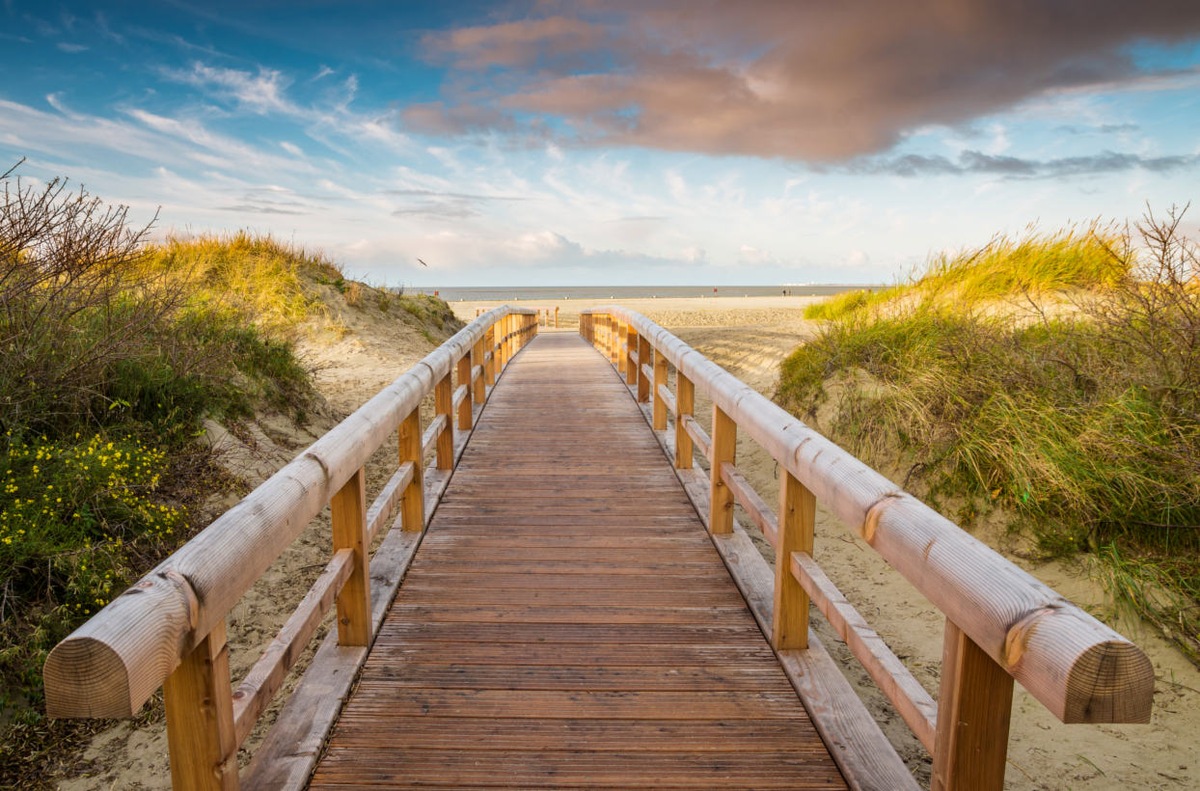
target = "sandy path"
x: 749, y: 337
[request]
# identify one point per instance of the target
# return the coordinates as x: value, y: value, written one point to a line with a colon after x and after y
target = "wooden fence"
x: 1001, y: 623
x: 168, y: 630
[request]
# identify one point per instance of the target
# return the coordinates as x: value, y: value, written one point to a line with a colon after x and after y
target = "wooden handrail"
x: 1078, y: 668
x: 171, y: 622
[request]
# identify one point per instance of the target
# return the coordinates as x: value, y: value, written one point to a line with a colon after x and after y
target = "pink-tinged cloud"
x: 818, y: 81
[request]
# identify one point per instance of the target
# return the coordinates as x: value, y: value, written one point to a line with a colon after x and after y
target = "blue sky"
x: 586, y: 142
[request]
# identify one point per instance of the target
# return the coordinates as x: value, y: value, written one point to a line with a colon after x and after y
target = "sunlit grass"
x: 1081, y: 425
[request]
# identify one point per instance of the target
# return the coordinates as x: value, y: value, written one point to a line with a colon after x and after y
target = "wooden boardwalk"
x: 567, y: 623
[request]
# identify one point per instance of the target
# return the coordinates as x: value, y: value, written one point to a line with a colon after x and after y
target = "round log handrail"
x: 111, y: 665
x: 1079, y: 668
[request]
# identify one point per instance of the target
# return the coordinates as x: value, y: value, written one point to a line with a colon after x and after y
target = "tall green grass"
x: 1055, y: 381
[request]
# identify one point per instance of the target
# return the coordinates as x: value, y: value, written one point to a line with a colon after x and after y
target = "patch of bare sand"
x: 1044, y: 754
x: 365, y: 350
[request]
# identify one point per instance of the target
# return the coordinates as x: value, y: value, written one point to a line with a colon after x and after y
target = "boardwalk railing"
x: 168, y: 630
x: 1001, y: 623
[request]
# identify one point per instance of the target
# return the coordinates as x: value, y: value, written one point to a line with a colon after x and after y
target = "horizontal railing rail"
x: 168, y: 630
x: 1001, y: 624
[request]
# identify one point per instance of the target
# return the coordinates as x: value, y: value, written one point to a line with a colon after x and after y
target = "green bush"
x: 112, y: 354
x: 1080, y: 420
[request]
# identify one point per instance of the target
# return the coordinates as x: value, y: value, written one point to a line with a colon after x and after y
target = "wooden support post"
x: 643, y: 381
x: 348, y: 513
x: 619, y: 346
x: 489, y: 361
x: 501, y: 326
x: 615, y: 342
x: 556, y: 317
x: 443, y: 404
x: 199, y: 703
x: 797, y: 516
x: 724, y: 447
x: 413, y: 504
x: 631, y: 350
x: 974, y: 711
x: 660, y: 378
x: 685, y: 404
x: 478, y: 384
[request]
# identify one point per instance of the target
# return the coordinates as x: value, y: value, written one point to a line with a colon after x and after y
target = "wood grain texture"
x: 1077, y: 667
x: 200, y: 729
x: 348, y: 515
x: 112, y: 664
x: 797, y: 518
x: 555, y: 632
x: 974, y: 711
x: 721, y: 453
x: 913, y: 703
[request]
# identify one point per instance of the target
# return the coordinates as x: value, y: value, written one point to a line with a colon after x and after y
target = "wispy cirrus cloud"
x: 260, y: 92
x: 808, y: 81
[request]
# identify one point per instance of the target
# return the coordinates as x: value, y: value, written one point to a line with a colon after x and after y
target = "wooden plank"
x: 724, y: 446
x: 663, y: 400
x: 863, y: 753
x: 348, y: 515
x: 756, y: 508
x: 259, y: 686
x: 974, y: 711
x: 697, y: 436
x: 685, y: 402
x: 912, y: 702
x: 1080, y: 669
x: 412, y: 505
x: 547, y: 604
x: 200, y: 731
x: 797, y: 517
x: 398, y: 767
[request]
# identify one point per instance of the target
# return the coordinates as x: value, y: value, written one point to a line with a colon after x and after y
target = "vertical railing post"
x: 501, y: 328
x: 489, y: 358
x: 643, y: 381
x: 477, y: 384
x: 348, y: 515
x: 412, y: 505
x: 660, y: 378
x: 974, y: 711
x: 619, y: 348
x: 556, y: 317
x: 464, y: 377
x: 685, y: 405
x: 199, y: 706
x: 631, y: 350
x: 724, y: 446
x: 615, y: 343
x: 443, y: 404
x: 797, y: 517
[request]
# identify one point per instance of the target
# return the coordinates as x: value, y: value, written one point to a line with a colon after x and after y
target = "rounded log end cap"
x: 1110, y: 682
x: 84, y: 677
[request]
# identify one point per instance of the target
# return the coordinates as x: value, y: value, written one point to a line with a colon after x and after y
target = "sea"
x: 489, y: 294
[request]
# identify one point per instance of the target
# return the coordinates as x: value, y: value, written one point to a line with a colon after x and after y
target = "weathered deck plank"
x: 567, y: 623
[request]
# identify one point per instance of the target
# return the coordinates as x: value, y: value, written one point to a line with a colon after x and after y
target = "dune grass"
x: 113, y: 352
x: 1053, y: 380
x: 1036, y: 265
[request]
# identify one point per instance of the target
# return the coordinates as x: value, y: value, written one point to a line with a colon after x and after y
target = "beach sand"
x: 748, y: 336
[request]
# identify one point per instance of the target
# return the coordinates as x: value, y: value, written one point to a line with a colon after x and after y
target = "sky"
x: 625, y: 142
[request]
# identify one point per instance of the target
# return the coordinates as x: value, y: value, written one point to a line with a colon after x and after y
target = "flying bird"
x: 422, y: 263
